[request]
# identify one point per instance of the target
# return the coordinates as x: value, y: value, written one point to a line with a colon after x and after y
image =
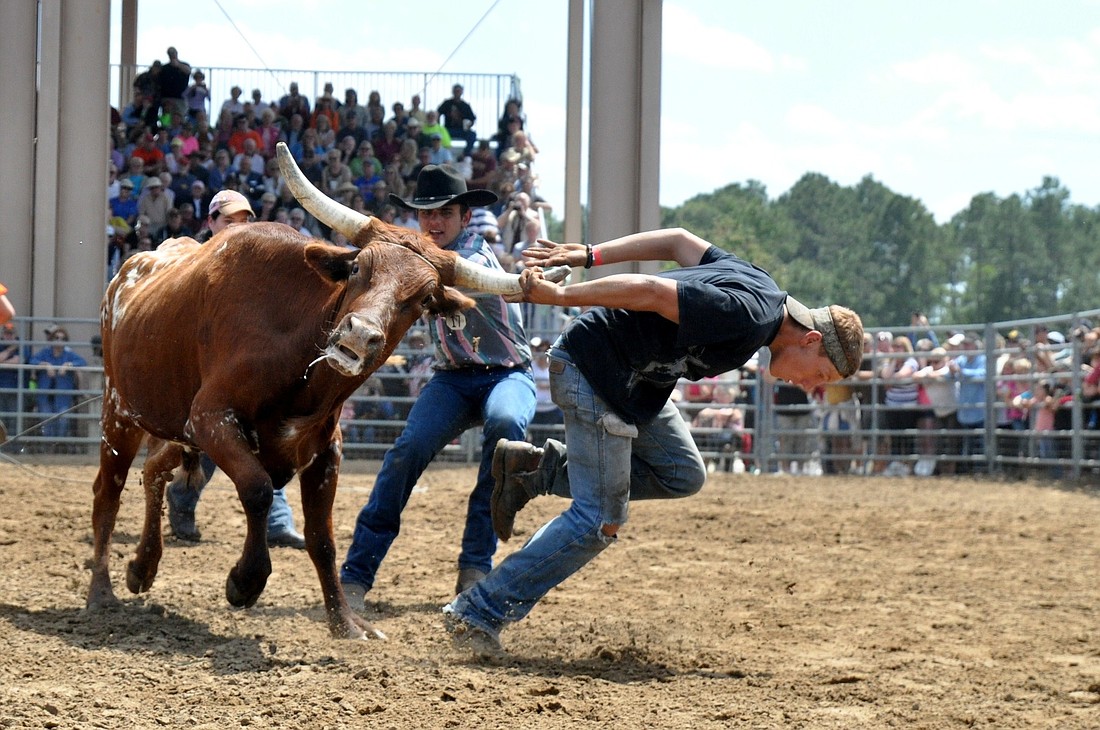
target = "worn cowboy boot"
x: 516, y: 480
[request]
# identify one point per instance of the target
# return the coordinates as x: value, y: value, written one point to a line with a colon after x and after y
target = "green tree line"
x: 884, y: 255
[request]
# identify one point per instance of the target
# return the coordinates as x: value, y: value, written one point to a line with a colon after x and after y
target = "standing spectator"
x: 58, y: 380
x: 937, y: 378
x: 173, y: 83
x: 488, y: 383
x: 148, y: 83
x: 458, y: 117
x: 197, y: 96
x: 902, y: 408
x: 971, y: 412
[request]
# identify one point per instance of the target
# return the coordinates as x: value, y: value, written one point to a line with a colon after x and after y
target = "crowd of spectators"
x: 918, y: 405
x: 173, y: 148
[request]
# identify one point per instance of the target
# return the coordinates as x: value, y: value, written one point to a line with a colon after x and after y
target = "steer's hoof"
x: 237, y: 597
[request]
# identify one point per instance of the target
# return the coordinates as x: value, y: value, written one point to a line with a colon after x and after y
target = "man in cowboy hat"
x: 227, y: 208
x: 482, y: 376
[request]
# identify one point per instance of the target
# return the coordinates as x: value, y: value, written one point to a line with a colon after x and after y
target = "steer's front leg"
x: 318, y: 484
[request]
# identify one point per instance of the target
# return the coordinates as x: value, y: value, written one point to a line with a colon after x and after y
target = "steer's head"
x: 387, y: 286
x: 392, y: 277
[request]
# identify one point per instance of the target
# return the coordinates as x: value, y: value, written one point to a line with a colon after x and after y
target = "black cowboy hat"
x: 439, y: 185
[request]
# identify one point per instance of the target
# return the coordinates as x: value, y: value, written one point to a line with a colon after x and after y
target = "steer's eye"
x: 426, y: 302
x: 354, y: 268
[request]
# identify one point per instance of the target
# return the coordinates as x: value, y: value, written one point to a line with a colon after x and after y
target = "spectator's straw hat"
x: 153, y: 182
x: 126, y: 183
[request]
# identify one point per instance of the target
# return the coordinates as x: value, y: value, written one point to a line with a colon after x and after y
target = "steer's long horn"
x: 496, y: 281
x: 322, y: 207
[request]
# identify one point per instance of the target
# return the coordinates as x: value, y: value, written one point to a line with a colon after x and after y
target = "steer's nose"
x: 365, y: 336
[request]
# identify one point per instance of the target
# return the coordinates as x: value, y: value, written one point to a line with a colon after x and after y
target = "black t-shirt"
x: 729, y: 309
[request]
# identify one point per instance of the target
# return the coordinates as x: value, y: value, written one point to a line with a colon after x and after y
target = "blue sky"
x: 937, y: 100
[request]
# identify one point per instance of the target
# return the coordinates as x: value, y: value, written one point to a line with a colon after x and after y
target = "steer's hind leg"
x: 120, y: 443
x: 163, y: 457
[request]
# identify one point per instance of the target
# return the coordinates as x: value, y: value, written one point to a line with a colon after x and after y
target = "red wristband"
x: 597, y: 257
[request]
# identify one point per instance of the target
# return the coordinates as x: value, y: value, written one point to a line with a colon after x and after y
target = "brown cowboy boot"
x: 516, y: 479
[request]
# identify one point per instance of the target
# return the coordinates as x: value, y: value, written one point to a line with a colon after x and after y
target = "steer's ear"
x: 331, y: 262
x: 447, y: 301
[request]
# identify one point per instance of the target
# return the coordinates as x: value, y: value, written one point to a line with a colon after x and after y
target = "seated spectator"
x: 438, y: 154
x: 294, y: 103
x: 174, y: 228
x: 483, y: 166
x: 151, y: 156
x: 270, y: 134
x: 326, y: 134
x: 57, y: 382
x: 376, y: 119
x: 512, y: 112
x: 242, y: 131
x: 292, y: 134
x: 400, y: 118
x: 125, y: 206
x: 432, y: 126
x: 414, y: 131
x: 387, y: 145
x: 259, y: 106
x: 336, y: 173
x: 249, y: 182
x: 352, y: 112
x: 324, y: 108
x: 252, y: 151
x: 234, y: 105
x: 221, y: 171
x: 154, y: 205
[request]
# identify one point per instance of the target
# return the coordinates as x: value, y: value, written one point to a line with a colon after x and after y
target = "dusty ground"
x: 763, y: 602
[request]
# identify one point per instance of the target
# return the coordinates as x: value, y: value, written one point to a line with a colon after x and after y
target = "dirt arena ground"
x: 764, y: 602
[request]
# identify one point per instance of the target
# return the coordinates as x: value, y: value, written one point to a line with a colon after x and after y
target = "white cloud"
x: 687, y: 36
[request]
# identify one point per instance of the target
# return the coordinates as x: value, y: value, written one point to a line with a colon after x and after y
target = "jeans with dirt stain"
x: 608, y: 464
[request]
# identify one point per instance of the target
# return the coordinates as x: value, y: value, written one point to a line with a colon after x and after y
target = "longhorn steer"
x: 215, y: 347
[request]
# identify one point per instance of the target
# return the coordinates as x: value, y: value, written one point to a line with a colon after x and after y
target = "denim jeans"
x: 610, y: 463
x: 279, y: 518
x: 503, y: 401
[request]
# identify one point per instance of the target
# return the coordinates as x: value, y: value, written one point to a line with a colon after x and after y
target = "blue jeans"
x: 610, y: 463
x: 503, y: 401
x: 279, y: 517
